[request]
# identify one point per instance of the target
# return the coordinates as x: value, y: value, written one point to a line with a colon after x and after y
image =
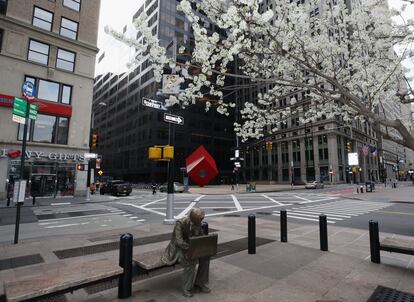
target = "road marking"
x: 199, y: 197
x: 303, y: 218
x: 186, y: 210
x: 155, y: 201
x: 245, y: 210
x: 305, y: 199
x: 396, y: 213
x: 143, y: 208
x: 127, y: 215
x: 236, y: 203
x: 77, y: 217
x: 140, y: 220
x: 61, y: 226
x: 133, y: 217
x: 326, y: 213
x: 60, y: 203
x: 271, y: 199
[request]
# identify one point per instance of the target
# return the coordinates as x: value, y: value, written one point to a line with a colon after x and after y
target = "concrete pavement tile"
x: 349, y: 251
x: 407, y: 281
x: 282, y: 291
x: 276, y: 260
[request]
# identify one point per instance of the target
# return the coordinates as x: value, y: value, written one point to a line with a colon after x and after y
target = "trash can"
x: 253, y: 187
x: 248, y: 187
x: 368, y: 187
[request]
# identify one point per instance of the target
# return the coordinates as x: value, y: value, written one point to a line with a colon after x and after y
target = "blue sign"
x: 28, y: 90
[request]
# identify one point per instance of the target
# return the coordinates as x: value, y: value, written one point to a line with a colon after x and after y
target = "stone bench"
x: 53, y: 281
x: 201, y: 246
x: 400, y: 246
x: 392, y: 245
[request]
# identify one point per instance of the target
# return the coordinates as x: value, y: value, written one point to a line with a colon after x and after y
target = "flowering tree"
x: 342, y: 58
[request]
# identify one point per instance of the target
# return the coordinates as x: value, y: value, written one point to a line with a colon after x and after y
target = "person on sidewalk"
x: 176, y: 250
x: 154, y: 189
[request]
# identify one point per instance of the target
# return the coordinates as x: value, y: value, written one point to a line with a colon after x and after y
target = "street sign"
x: 19, y: 107
x: 28, y: 90
x: 90, y: 155
x: 33, y: 108
x: 153, y: 104
x: 19, y: 191
x: 175, y: 119
x: 18, y: 119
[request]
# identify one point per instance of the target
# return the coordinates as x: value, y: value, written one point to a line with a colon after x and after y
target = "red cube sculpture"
x: 201, y: 166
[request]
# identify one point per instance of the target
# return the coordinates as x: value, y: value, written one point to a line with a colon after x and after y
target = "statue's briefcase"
x: 202, y: 246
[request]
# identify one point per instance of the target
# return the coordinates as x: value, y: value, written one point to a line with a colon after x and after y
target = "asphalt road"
x: 71, y: 216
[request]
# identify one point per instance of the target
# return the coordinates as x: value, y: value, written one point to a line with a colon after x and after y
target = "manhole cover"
x: 263, y: 213
x: 386, y: 294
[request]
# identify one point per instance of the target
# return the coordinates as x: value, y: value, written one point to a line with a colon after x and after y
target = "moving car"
x: 178, y: 187
x: 116, y: 187
x: 314, y: 185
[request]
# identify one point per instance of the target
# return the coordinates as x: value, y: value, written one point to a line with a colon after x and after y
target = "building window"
x: 73, y: 4
x: 42, y: 18
x: 47, y: 129
x: 51, y: 91
x: 65, y: 60
x: 69, y: 28
x: 1, y: 37
x: 38, y: 52
x: 3, y: 7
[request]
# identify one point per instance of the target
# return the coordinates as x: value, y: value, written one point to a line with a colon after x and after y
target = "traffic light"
x: 94, y: 141
x: 349, y: 147
x: 269, y: 145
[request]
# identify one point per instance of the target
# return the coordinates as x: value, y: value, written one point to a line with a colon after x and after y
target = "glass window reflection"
x: 63, y: 129
x: 48, y: 91
x: 44, y: 130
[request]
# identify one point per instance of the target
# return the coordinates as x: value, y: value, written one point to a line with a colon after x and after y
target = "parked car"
x: 178, y: 187
x: 116, y: 187
x: 314, y: 185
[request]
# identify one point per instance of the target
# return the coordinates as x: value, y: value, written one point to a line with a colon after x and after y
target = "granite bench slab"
x: 398, y: 246
x: 150, y: 260
x: 61, y: 280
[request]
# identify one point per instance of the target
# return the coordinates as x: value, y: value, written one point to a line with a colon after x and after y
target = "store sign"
x: 353, y: 159
x: 47, y: 155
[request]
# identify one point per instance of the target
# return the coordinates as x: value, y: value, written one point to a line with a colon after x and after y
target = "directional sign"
x: 19, y: 107
x: 18, y: 119
x: 153, y: 104
x: 175, y: 119
x: 33, y: 108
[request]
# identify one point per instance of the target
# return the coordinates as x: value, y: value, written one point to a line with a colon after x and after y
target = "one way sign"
x: 175, y: 119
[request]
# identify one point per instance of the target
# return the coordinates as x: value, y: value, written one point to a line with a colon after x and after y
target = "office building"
x: 126, y: 128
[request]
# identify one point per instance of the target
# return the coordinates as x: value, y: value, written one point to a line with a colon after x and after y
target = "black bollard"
x: 34, y: 200
x: 204, y: 226
x: 8, y: 201
x: 323, y: 232
x: 283, y: 226
x: 125, y: 261
x: 374, y: 241
x: 252, y: 234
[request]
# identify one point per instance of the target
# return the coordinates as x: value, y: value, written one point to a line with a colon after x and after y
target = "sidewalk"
x: 404, y: 193
x: 226, y: 189
x: 293, y: 271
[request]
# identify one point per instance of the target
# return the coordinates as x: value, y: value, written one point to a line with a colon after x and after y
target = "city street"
x: 76, y: 216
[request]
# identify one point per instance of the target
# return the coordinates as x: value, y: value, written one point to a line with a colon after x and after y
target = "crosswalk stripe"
x: 313, y: 215
x: 326, y: 213
x: 303, y: 218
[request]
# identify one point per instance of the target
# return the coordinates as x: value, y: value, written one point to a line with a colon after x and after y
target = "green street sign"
x: 19, y: 107
x: 33, y: 108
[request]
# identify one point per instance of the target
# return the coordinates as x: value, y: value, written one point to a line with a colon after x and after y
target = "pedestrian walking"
x: 232, y: 187
x: 154, y: 189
